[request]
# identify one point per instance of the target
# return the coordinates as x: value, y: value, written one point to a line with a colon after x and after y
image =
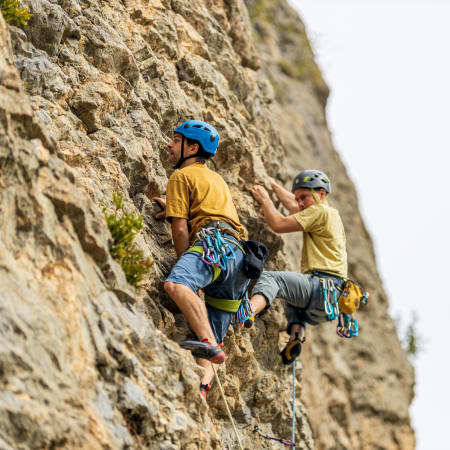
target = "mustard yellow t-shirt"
x: 324, y: 243
x: 200, y: 195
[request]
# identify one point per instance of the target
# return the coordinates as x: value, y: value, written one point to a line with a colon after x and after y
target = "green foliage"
x: 13, y: 14
x: 261, y: 10
x: 302, y: 65
x: 305, y: 69
x: 413, y: 342
x: 124, y: 227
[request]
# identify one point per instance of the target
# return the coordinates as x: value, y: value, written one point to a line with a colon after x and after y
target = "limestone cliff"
x: 89, y: 94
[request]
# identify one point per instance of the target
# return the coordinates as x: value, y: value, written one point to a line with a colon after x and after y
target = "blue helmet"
x: 202, y: 132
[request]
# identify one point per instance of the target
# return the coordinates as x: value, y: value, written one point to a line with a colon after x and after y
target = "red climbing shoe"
x: 205, y: 350
x: 204, y: 388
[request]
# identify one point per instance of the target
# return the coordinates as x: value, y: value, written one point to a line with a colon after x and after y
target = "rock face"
x: 89, y: 95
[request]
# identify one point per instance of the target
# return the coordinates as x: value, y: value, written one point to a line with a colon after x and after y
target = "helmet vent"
x: 200, y: 131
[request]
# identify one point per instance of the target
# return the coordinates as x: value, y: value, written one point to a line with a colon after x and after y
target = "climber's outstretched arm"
x: 276, y: 221
x: 286, y: 198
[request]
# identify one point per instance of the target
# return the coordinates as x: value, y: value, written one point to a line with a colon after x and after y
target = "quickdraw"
x: 216, y: 251
x: 347, y: 326
x: 331, y: 308
x: 244, y: 312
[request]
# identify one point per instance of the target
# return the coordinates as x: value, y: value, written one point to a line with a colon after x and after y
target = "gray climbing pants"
x: 302, y: 292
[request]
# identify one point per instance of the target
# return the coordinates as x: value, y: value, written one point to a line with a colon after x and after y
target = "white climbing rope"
x: 293, y: 402
x: 228, y: 409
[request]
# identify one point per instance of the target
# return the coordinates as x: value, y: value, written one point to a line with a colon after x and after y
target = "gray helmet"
x: 312, y: 179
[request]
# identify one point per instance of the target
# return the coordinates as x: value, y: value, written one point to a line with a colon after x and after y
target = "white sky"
x: 388, y: 66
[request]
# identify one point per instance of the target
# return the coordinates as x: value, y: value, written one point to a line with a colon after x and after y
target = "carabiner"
x: 231, y: 249
x: 340, y: 331
x: 212, y: 255
x: 330, y: 284
x: 221, y: 262
x: 327, y: 305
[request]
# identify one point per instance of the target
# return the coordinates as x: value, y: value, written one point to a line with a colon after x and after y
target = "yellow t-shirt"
x: 200, y: 195
x: 324, y: 240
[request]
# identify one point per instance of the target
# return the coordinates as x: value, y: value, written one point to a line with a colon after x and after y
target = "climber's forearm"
x: 180, y: 235
x: 276, y: 221
x: 287, y: 198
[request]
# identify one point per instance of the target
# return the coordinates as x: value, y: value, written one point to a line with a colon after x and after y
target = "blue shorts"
x: 232, y: 284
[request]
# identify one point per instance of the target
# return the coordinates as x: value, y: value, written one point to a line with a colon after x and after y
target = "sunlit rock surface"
x: 89, y: 95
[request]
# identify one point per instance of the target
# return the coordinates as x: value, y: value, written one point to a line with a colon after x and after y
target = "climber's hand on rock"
x: 161, y: 203
x: 273, y: 183
x: 260, y: 194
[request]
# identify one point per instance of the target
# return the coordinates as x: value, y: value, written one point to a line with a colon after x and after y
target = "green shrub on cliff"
x: 123, y: 227
x: 261, y: 9
x: 413, y: 342
x: 13, y: 14
x: 410, y: 337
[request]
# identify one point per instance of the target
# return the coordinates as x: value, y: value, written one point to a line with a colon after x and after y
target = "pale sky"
x: 388, y: 66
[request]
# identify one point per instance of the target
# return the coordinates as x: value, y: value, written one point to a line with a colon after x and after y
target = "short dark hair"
x: 201, y: 154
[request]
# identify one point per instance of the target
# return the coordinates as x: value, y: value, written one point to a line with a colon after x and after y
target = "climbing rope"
x: 293, y: 403
x: 228, y: 409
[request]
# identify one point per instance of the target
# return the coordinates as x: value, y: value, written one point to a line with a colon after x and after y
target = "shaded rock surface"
x: 89, y: 95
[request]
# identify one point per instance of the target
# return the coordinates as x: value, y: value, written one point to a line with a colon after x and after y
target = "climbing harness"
x: 271, y: 438
x: 227, y: 408
x: 343, y: 306
x: 216, y: 252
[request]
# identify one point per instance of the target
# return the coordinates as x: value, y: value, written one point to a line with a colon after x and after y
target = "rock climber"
x: 199, y: 207
x: 324, y: 255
